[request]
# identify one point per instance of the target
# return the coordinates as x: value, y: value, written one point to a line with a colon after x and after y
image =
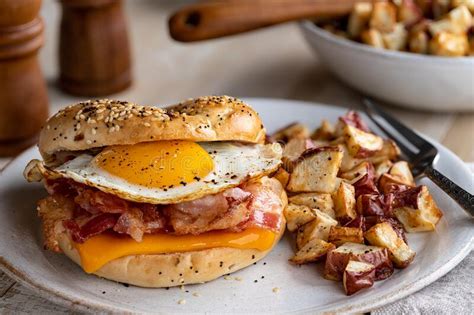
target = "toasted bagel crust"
x: 92, y: 124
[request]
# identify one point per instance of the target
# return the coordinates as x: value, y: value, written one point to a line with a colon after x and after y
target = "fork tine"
x: 409, y: 152
x: 397, y: 125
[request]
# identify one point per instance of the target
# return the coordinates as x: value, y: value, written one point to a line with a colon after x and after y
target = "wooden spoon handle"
x: 222, y: 18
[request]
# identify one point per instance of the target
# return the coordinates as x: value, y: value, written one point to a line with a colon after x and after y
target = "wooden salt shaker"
x: 94, y: 56
x: 23, y: 93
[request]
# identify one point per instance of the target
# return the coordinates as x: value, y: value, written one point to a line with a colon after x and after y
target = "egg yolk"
x: 160, y: 164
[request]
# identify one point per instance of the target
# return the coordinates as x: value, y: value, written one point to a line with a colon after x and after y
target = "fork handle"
x: 462, y: 197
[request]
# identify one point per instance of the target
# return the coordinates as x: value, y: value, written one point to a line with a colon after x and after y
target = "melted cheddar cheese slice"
x: 100, y: 249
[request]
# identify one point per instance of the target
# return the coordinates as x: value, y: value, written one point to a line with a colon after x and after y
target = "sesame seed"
x: 227, y: 278
x: 276, y: 290
x: 88, y: 142
x: 147, y: 124
x: 196, y: 294
x: 182, y: 301
x: 93, y: 131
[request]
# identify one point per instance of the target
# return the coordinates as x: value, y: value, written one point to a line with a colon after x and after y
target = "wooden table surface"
x: 274, y: 62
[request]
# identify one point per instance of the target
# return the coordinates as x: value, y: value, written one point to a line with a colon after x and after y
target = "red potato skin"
x: 336, y: 264
x: 407, y: 198
x: 356, y: 281
x: 369, y: 204
x: 365, y: 185
x: 352, y: 118
x: 370, y: 221
x: 358, y: 222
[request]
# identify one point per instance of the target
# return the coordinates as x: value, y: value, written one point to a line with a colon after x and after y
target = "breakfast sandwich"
x: 159, y: 197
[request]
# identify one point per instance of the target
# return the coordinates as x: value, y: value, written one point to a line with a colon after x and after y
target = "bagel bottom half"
x: 167, y: 270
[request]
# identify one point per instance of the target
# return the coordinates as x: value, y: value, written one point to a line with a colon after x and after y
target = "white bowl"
x: 406, y: 79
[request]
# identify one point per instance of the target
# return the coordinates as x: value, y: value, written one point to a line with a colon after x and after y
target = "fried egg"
x: 166, y: 172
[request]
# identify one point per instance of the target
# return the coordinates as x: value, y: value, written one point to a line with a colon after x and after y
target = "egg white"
x: 234, y: 163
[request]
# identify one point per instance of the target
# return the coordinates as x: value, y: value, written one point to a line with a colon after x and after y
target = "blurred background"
x: 272, y: 62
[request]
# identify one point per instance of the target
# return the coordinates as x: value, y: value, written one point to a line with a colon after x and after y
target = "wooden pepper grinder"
x: 23, y: 93
x: 94, y: 56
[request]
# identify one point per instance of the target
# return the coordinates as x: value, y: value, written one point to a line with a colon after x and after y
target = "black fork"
x: 420, y: 154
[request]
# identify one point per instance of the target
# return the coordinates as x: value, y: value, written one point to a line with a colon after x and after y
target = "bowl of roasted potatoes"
x: 411, y: 53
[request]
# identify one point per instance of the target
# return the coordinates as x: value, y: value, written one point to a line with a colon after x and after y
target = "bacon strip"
x: 234, y: 209
x: 95, y: 226
x: 96, y: 201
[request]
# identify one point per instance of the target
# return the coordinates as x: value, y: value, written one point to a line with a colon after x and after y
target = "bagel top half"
x: 100, y: 123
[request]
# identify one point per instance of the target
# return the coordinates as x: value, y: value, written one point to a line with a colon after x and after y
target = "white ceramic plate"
x: 302, y: 289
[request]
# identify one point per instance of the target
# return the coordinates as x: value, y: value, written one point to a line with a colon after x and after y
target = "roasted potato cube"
x: 345, y: 202
x: 293, y: 150
x: 461, y: 18
x: 365, y: 185
x: 383, y: 235
x: 416, y: 210
x: 312, y: 251
x: 457, y: 22
x: 396, y: 39
x: 316, y: 170
x: 421, y: 26
x: 320, y: 201
x: 337, y: 260
x: 401, y: 170
x: 358, y: 171
x: 390, y: 151
x: 442, y: 26
x: 418, y: 42
x: 339, y: 235
x: 382, y: 168
x: 282, y: 176
x: 384, y: 17
x: 370, y: 221
x: 468, y: 3
x: 294, y: 130
x: 409, y: 13
x: 357, y: 276
x: 348, y: 161
x: 353, y: 118
x: 371, y: 204
x: 325, y: 132
x: 318, y: 228
x: 359, y: 19
x: 373, y: 38
x: 361, y: 143
x: 297, y: 216
x: 358, y: 222
x: 387, y: 181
